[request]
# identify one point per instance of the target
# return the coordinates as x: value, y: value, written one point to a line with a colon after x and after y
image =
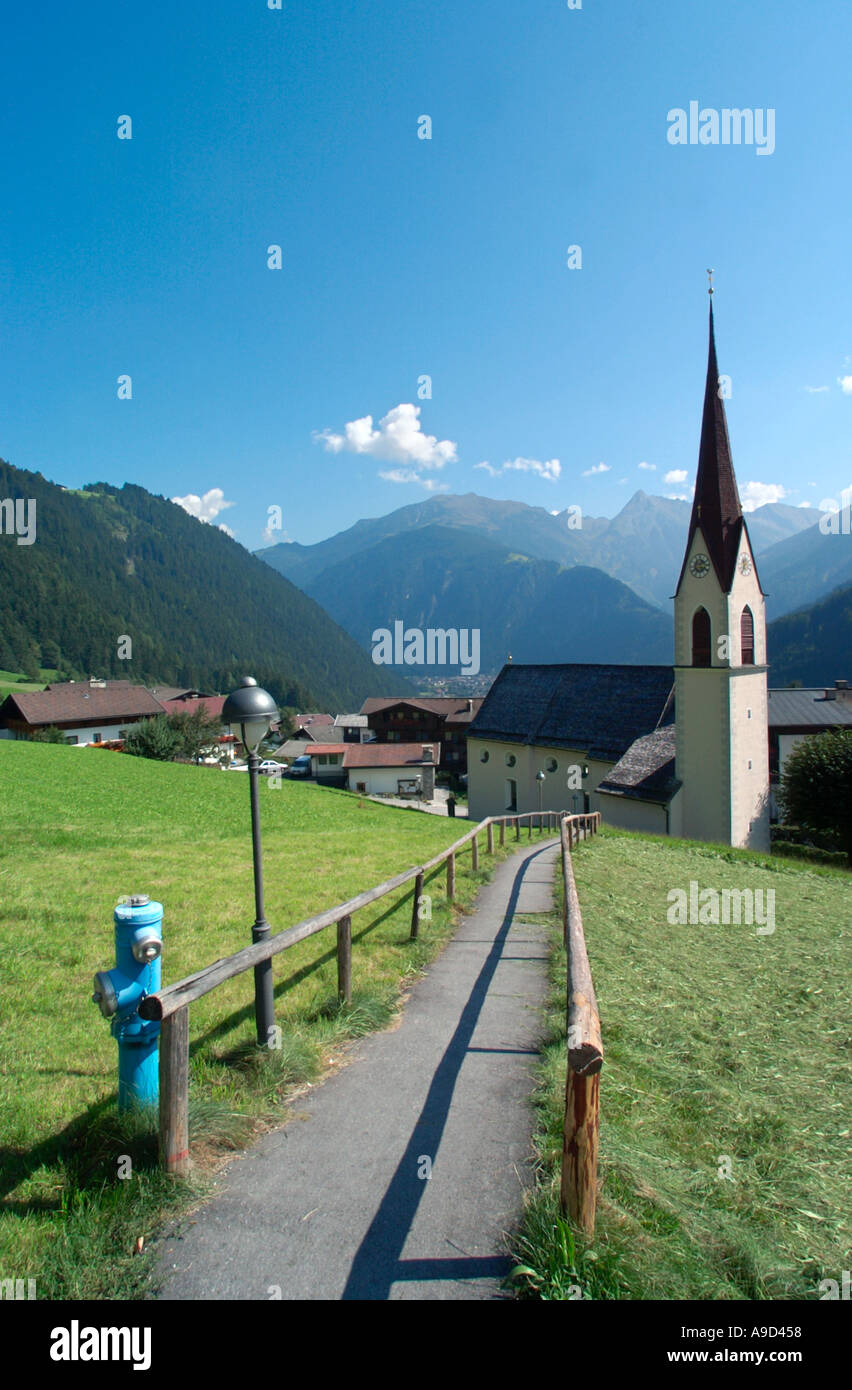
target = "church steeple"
x: 716, y: 507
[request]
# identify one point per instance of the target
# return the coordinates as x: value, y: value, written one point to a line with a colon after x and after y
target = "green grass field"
x: 79, y: 828
x: 10, y: 681
x: 726, y: 1052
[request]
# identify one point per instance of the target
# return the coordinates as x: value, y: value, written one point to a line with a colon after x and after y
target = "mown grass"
x: 724, y: 1051
x: 78, y: 829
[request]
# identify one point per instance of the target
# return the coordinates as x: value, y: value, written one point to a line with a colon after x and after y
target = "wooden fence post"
x: 451, y: 876
x: 490, y: 837
x: 529, y: 824
x: 503, y: 832
x: 580, y: 1149
x: 517, y: 827
x: 415, y: 910
x: 174, y: 1093
x: 474, y: 849
x: 344, y: 959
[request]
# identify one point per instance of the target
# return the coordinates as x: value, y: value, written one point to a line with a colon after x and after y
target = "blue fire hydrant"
x: 119, y: 992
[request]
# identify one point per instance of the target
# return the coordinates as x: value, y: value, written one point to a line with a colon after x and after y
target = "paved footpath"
x: 333, y: 1205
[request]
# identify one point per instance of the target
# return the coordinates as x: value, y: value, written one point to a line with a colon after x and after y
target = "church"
x: 680, y: 750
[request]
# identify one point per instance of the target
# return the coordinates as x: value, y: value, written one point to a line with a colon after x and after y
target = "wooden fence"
x: 585, y: 1049
x: 171, y: 1005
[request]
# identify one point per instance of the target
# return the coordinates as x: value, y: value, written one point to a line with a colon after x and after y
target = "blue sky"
x: 405, y: 257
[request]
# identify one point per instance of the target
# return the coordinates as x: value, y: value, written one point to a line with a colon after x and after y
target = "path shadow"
x: 378, y: 1262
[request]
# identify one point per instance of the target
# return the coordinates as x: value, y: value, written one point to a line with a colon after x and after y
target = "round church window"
x: 510, y: 760
x: 551, y: 764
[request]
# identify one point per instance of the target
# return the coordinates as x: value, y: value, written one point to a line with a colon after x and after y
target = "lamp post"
x: 539, y: 777
x: 253, y: 710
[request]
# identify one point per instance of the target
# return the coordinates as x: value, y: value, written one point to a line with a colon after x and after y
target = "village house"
x: 96, y: 711
x: 443, y: 720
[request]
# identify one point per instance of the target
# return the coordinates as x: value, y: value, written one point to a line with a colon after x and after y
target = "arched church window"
x: 747, y: 637
x: 701, y: 638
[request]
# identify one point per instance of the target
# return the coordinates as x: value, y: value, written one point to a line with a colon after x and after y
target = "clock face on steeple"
x: 699, y: 566
x: 745, y: 565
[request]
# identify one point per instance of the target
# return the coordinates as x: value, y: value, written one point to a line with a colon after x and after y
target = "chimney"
x: 470, y: 706
x: 842, y: 691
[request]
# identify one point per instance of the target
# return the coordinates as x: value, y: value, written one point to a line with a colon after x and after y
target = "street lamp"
x: 539, y: 777
x: 253, y: 710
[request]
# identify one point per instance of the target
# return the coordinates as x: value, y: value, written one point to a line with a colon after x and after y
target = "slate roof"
x: 646, y: 772
x: 388, y: 755
x: 350, y: 721
x: 596, y: 708
x: 107, y: 703
x: 797, y: 709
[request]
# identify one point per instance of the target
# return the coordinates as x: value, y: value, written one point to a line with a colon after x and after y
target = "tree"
x: 816, y: 788
x: 194, y: 731
x: 49, y: 734
x: 153, y: 738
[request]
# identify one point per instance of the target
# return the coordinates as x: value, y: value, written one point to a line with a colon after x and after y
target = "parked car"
x: 301, y: 767
x: 270, y: 768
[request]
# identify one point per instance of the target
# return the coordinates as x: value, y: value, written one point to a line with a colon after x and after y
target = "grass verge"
x: 725, y: 1091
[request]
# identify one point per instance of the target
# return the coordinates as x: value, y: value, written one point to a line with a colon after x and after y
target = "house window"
x: 701, y: 638
x: 361, y: 787
x: 323, y: 759
x: 747, y: 638
x: 71, y: 738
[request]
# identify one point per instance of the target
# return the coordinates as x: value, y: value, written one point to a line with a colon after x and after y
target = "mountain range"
x: 541, y: 587
x: 642, y: 546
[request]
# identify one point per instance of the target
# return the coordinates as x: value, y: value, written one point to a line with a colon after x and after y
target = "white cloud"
x: 815, y: 390
x: 650, y: 467
x: 227, y: 530
x: 598, y: 468
x: 675, y: 475
x: 398, y: 439
x: 805, y: 504
x: 410, y: 475
x: 205, y: 508
x: 845, y: 383
x: 679, y: 496
x: 758, y: 494
x: 550, y: 470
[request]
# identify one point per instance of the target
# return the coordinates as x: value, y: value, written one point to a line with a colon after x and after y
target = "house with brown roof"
x: 86, y: 711
x: 443, y: 720
x: 392, y: 769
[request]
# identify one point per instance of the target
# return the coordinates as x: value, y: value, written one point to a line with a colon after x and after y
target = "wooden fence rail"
x: 585, y: 1049
x: 171, y: 1005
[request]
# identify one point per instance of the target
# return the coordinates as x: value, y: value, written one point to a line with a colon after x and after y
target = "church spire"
x: 716, y: 506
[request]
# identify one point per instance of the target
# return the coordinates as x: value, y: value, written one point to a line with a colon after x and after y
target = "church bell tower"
x: 721, y: 701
